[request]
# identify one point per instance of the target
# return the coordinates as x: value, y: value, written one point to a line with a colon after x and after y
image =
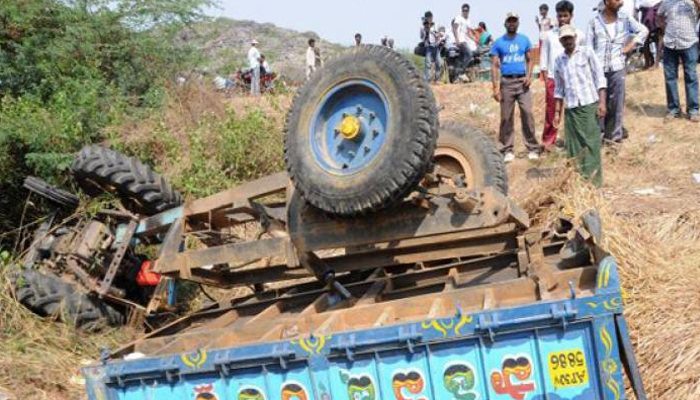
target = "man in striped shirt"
x: 613, y: 34
x: 581, y: 90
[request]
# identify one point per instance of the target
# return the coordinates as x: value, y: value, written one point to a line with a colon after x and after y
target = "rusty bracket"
x: 117, y: 259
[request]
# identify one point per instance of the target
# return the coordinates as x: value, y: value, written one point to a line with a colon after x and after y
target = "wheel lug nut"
x: 372, y: 116
x: 336, y: 131
x: 351, y: 154
x: 375, y: 133
x: 359, y: 109
x: 367, y: 150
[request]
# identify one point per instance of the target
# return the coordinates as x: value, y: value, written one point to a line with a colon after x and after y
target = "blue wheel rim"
x: 332, y: 151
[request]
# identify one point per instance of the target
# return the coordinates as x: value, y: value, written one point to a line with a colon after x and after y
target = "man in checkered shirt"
x: 680, y: 20
x: 613, y: 34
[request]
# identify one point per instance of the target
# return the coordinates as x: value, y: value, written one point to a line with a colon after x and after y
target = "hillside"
x: 225, y: 42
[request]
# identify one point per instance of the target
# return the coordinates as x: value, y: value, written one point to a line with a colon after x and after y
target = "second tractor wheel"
x: 465, y: 150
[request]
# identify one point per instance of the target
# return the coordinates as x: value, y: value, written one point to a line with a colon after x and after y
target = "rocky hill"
x: 225, y: 43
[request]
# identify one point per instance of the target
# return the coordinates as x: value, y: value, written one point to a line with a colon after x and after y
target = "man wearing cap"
x: 580, y: 89
x: 254, y: 64
x: 550, y: 50
x: 613, y: 34
x: 511, y: 71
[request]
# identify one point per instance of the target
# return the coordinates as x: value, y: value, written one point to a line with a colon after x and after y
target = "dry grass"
x: 40, y: 359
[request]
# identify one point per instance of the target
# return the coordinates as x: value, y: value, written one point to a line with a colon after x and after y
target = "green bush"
x: 70, y: 68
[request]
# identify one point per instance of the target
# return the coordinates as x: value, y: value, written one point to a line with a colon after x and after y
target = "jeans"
x: 611, y: 125
x: 255, y: 82
x: 432, y: 55
x: 672, y: 60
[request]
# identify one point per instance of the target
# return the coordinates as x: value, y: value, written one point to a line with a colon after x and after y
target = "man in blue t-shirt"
x: 511, y: 72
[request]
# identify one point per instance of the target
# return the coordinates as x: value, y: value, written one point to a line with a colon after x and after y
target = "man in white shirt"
x: 544, y: 22
x: 464, y: 33
x: 311, y: 58
x: 550, y: 50
x: 254, y: 64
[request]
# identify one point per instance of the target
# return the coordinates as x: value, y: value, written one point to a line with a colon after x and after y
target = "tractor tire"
x: 41, y: 293
x: 49, y: 296
x: 385, y: 148
x: 51, y: 193
x: 140, y: 189
x: 88, y: 313
x: 467, y: 150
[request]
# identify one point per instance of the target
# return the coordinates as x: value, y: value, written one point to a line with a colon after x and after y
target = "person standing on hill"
x: 544, y: 22
x: 511, y: 71
x: 550, y: 50
x: 649, y: 10
x: 485, y: 38
x: 358, y: 39
x: 680, y: 19
x: 580, y: 90
x: 464, y: 32
x: 613, y: 34
x: 313, y: 58
x: 431, y: 38
x: 254, y: 64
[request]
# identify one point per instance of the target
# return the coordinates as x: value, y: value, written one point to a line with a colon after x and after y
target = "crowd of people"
x: 584, y: 72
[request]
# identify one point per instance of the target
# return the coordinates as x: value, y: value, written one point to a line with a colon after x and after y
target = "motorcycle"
x: 244, y: 79
x: 458, y: 69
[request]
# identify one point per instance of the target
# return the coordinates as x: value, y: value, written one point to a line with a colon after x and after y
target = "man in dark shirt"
x: 511, y: 71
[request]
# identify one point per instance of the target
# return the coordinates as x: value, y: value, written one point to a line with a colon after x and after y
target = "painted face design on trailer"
x: 459, y: 380
x: 518, y: 367
x: 408, y: 386
x: 205, y: 392
x: 361, y: 388
x: 250, y: 394
x: 293, y: 391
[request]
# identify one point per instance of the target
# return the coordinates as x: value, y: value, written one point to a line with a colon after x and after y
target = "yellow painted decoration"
x: 568, y: 368
x: 350, y: 127
x: 195, y: 360
x: 447, y: 326
x: 609, y: 364
x: 604, y: 279
x: 312, y: 345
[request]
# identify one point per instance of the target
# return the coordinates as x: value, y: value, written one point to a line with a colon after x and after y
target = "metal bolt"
x: 345, y: 166
x: 336, y: 131
x: 345, y: 115
x: 359, y: 109
x: 351, y: 154
x: 372, y: 116
x: 367, y: 150
x: 375, y: 133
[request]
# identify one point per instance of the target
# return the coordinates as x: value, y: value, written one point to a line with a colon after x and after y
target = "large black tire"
x: 48, y: 296
x: 410, y: 138
x: 55, y: 195
x: 141, y: 190
x: 467, y: 150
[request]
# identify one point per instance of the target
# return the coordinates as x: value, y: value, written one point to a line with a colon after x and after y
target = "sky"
x: 338, y: 21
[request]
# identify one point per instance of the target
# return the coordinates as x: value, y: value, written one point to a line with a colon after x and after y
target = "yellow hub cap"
x: 350, y: 127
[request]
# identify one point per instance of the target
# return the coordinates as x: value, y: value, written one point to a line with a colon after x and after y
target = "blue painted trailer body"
x: 569, y: 349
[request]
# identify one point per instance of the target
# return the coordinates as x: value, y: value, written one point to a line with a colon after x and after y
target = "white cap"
x: 254, y: 41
